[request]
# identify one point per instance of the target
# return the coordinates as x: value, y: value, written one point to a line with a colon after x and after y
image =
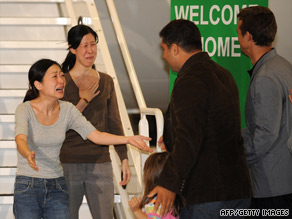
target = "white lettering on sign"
x: 227, y: 14
x: 220, y: 47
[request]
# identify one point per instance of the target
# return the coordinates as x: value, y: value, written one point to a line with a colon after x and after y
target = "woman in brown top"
x: 87, y: 166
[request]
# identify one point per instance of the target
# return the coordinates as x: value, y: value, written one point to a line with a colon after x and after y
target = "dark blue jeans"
x: 36, y: 198
x: 211, y: 210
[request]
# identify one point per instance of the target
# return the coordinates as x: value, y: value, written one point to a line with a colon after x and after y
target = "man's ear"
x: 248, y: 36
x: 38, y: 85
x: 175, y: 49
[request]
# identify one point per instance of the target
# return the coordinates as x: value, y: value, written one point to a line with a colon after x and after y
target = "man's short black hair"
x: 182, y: 32
x: 260, y: 22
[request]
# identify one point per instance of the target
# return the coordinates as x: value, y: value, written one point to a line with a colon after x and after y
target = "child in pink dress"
x: 143, y: 208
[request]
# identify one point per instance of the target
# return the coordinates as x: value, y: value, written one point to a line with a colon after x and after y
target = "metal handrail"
x: 71, y: 12
x: 144, y: 110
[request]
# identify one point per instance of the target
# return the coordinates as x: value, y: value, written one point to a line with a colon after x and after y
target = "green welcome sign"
x: 217, y: 21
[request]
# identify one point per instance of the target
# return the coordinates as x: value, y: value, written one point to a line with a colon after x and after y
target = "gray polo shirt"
x: 47, y: 141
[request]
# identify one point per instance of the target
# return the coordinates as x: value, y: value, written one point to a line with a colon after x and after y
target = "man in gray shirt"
x: 268, y: 112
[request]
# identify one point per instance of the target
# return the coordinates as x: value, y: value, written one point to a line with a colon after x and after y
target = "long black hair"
x: 36, y: 73
x: 74, y: 38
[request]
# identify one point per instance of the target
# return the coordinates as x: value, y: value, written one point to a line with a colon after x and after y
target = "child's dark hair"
x: 152, y: 169
x: 74, y: 38
x: 36, y: 73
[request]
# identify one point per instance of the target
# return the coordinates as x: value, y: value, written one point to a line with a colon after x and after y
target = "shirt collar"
x: 250, y: 72
x: 188, y: 60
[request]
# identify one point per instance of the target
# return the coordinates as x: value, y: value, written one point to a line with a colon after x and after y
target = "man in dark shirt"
x: 207, y: 168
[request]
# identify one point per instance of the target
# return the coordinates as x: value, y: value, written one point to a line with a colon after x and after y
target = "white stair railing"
x: 12, y: 94
x: 71, y: 12
x: 144, y: 110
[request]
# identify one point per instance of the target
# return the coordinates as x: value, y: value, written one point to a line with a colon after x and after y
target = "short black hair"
x: 182, y: 32
x: 260, y: 22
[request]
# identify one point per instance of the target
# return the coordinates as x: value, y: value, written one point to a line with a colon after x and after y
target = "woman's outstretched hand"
x: 31, y: 160
x: 138, y: 141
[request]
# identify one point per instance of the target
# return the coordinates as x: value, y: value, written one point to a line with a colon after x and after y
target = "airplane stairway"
x: 35, y: 29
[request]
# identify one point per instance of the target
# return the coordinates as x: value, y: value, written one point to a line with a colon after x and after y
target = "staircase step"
x: 7, y: 133
x: 31, y: 55
x: 9, y: 102
x: 10, y: 99
x: 14, y: 68
x: 7, y: 127
x: 31, y: 1
x: 12, y: 93
x: 6, y: 199
x: 8, y: 171
x: 35, y: 21
x: 7, y: 144
x: 14, y: 77
x: 8, y: 160
x: 33, y: 45
x: 7, y: 118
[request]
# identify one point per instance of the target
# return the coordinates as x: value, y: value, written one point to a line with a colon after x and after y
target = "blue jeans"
x: 36, y: 198
x: 211, y: 210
